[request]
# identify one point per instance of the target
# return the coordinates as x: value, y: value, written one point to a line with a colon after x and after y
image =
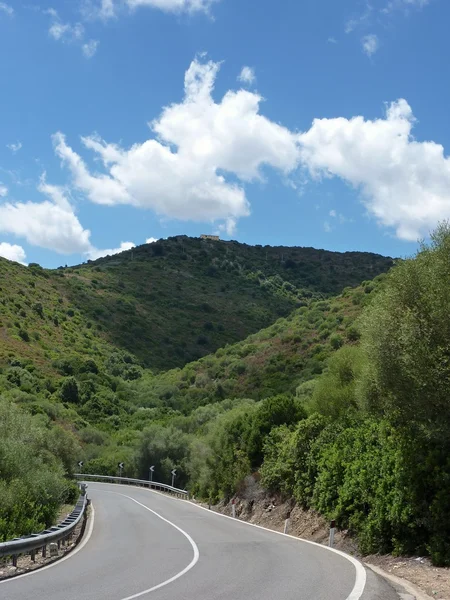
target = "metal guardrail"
x: 154, y: 485
x: 36, y: 541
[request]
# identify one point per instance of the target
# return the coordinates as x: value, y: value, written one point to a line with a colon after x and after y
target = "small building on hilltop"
x: 214, y: 238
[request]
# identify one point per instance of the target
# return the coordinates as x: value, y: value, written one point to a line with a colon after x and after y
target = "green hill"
x: 277, y: 359
x: 170, y: 302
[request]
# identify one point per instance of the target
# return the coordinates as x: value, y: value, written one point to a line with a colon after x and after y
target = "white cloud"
x: 404, y: 5
x: 151, y: 240
x: 69, y: 33
x: 181, y: 173
x: 7, y: 9
x: 46, y: 225
x: 360, y: 20
x: 174, y: 5
x: 12, y: 252
x: 102, y: 9
x: 339, y: 217
x: 404, y: 183
x: 95, y: 253
x: 370, y: 44
x: 14, y: 147
x: 3, y: 190
x: 90, y: 48
x: 332, y: 40
x: 327, y: 227
x: 51, y: 224
x: 247, y: 76
x: 65, y: 32
x: 107, y: 9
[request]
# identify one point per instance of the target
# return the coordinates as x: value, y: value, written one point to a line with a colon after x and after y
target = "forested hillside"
x: 173, y: 301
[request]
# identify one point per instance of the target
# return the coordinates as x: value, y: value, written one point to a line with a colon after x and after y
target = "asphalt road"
x: 144, y: 544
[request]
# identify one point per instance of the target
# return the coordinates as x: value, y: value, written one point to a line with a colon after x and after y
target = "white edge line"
x: 77, y: 549
x: 361, y: 576
x: 181, y: 573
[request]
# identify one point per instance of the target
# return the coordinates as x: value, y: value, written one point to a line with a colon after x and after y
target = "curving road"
x: 144, y: 545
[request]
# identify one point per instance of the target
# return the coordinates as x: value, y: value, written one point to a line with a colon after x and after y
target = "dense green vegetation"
x: 65, y: 337
x: 35, y: 458
x: 174, y: 301
x: 341, y: 404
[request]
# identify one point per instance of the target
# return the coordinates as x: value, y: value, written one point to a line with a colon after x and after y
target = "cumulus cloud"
x: 404, y: 183
x: 370, y: 44
x: 151, y: 240
x: 202, y: 152
x: 7, y: 9
x: 14, y: 147
x: 3, y: 190
x: 46, y: 225
x: 51, y: 224
x: 13, y: 252
x: 247, y: 76
x: 183, y: 170
x: 94, y: 253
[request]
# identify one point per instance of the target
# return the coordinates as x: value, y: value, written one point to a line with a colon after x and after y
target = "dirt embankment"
x: 255, y: 505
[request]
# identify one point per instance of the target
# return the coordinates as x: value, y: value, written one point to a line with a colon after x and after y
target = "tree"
x: 271, y: 412
x: 406, y: 337
x: 69, y: 391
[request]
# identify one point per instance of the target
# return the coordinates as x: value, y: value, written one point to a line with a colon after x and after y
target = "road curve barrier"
x: 30, y: 544
x: 153, y: 485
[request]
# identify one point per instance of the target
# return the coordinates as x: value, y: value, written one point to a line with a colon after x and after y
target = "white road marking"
x: 181, y: 573
x: 361, y: 576
x: 80, y: 546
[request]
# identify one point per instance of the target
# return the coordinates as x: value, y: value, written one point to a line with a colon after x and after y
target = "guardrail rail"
x: 154, y: 485
x: 29, y: 544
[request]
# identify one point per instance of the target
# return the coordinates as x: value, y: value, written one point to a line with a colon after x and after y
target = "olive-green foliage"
x: 271, y: 412
x: 172, y: 302
x: 226, y: 454
x: 334, y: 392
x: 374, y: 452
x: 406, y: 336
x: 274, y: 361
x: 32, y: 474
x: 166, y: 448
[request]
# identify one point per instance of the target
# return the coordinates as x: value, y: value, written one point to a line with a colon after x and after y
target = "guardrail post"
x: 44, y: 551
x: 14, y: 561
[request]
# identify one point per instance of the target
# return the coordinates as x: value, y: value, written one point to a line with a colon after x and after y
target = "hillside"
x: 277, y: 359
x: 169, y: 302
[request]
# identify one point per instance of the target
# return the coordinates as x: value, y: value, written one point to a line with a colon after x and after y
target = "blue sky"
x: 312, y: 123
